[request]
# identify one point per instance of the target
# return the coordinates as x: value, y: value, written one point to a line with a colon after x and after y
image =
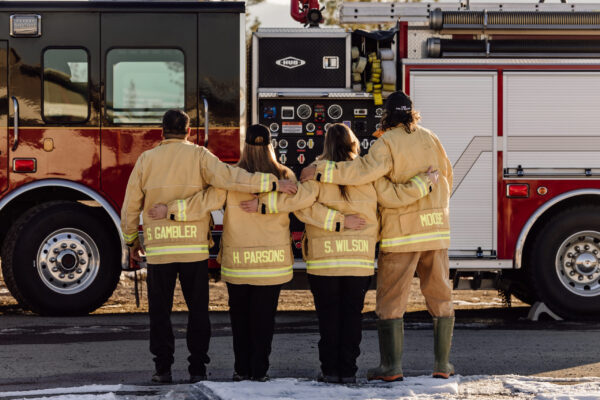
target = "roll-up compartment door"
x: 552, y: 121
x: 460, y: 107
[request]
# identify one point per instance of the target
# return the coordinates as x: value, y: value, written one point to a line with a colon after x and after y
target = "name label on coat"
x: 258, y: 256
x: 172, y: 232
x: 432, y: 219
x: 345, y: 245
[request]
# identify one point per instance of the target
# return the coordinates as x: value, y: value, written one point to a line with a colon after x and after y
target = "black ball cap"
x: 258, y: 135
x: 398, y: 102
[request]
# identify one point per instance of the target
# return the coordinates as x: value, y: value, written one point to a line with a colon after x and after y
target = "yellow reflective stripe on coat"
x: 181, y: 206
x: 272, y: 202
x: 329, y: 218
x: 184, y: 249
x: 256, y: 273
x: 340, y: 263
x: 410, y: 239
x: 420, y: 184
x: 264, y: 182
x: 328, y: 173
x: 130, y: 238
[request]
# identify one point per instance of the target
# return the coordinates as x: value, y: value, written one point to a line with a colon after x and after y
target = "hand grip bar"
x: 16, y: 122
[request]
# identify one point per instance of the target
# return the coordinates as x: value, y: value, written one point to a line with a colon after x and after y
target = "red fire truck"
x: 510, y: 89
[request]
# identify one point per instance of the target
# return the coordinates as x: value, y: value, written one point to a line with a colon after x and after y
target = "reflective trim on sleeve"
x: 272, y: 202
x: 181, y: 207
x: 130, y: 238
x: 340, y: 263
x: 410, y: 239
x: 328, y: 173
x: 163, y: 250
x: 264, y: 183
x: 256, y: 273
x: 329, y: 220
x: 421, y: 185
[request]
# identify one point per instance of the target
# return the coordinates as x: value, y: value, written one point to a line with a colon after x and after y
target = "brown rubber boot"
x: 442, y: 341
x: 391, y: 340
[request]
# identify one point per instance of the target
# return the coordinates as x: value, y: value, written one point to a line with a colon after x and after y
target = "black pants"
x: 252, y: 312
x: 161, y: 281
x: 339, y: 302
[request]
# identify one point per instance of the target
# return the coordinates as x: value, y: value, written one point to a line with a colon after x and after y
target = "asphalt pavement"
x: 41, y: 352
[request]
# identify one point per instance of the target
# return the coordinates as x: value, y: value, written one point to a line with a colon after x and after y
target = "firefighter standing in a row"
x: 413, y: 237
x: 173, y: 170
x: 340, y: 262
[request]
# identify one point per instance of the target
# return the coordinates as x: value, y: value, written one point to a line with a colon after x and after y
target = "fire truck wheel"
x: 51, y: 259
x: 565, y: 263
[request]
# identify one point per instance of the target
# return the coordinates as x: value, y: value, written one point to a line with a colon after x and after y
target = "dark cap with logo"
x: 258, y: 135
x: 398, y: 102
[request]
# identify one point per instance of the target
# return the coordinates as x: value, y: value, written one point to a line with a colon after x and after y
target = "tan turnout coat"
x: 328, y: 248
x: 177, y: 169
x: 256, y: 249
x: 399, y: 155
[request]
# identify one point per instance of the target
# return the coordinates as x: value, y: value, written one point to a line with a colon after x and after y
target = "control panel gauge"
x: 335, y: 111
x: 274, y: 127
x: 304, y: 111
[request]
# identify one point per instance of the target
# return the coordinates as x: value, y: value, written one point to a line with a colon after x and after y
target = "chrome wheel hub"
x: 68, y: 261
x: 578, y: 263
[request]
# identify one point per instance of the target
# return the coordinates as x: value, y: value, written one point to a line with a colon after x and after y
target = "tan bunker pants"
x: 395, y: 272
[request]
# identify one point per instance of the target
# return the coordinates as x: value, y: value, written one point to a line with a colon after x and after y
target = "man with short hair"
x: 177, y: 169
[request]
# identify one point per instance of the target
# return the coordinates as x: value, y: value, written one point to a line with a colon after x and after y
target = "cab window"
x: 141, y: 84
x: 66, y: 90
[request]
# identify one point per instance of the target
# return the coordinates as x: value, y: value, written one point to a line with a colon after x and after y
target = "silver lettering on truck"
x: 290, y: 62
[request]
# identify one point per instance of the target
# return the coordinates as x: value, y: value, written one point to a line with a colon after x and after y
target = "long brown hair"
x: 340, y: 145
x: 262, y: 159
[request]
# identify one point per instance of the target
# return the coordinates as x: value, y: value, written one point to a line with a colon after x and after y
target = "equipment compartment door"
x: 148, y: 64
x: 460, y: 107
x: 551, y: 122
x: 3, y: 116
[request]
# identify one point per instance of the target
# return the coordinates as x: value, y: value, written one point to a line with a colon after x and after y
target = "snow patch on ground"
x: 489, y: 387
x: 477, y: 303
x: 284, y: 389
x: 78, y: 389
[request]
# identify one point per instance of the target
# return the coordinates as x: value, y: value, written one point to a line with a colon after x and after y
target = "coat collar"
x: 167, y: 141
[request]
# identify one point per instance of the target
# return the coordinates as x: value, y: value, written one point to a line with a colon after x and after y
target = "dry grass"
x: 123, y: 299
x: 291, y: 300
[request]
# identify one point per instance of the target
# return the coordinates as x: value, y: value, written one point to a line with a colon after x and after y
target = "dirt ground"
x: 123, y: 299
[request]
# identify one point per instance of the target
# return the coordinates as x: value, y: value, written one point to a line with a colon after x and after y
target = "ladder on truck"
x: 381, y: 13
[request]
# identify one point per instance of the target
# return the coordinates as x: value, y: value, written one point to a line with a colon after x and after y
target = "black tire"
x: 557, y: 284
x: 29, y: 278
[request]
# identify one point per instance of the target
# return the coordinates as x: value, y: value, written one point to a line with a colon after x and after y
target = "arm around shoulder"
x: 229, y: 177
x: 362, y: 170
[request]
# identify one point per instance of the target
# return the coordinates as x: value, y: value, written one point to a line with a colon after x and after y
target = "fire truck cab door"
x: 148, y: 64
x: 52, y: 82
x: 461, y: 108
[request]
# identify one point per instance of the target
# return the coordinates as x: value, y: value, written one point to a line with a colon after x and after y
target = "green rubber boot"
x: 442, y: 341
x: 391, y: 340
